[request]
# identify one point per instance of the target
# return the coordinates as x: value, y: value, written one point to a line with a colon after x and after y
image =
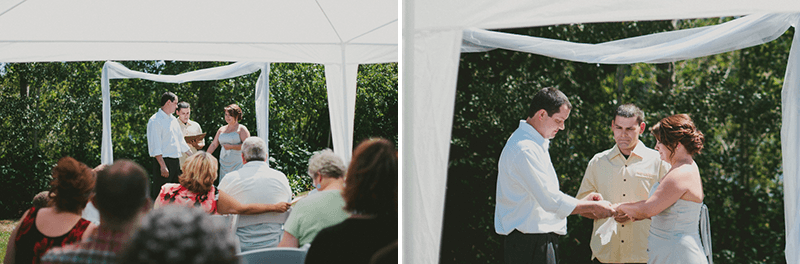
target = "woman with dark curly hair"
x: 197, y: 189
x: 370, y: 196
x: 43, y: 228
x: 676, y: 202
x: 230, y: 137
x: 180, y: 234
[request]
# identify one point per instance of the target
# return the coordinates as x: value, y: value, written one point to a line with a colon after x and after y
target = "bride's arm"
x: 668, y: 192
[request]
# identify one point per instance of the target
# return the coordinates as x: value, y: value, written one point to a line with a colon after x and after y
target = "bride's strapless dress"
x: 229, y: 160
x: 674, y: 234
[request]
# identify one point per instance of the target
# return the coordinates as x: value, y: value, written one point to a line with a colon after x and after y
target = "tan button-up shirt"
x: 623, y: 180
x: 190, y: 128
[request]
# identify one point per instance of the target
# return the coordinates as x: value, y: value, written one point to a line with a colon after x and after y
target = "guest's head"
x: 326, y: 164
x: 234, y: 112
x: 180, y: 234
x: 42, y: 199
x: 254, y: 149
x: 184, y: 111
x: 199, y: 172
x: 72, y: 185
x: 678, y: 129
x: 122, y: 192
x: 371, y: 181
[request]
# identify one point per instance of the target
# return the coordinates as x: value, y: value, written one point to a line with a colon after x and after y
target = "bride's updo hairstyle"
x: 678, y: 129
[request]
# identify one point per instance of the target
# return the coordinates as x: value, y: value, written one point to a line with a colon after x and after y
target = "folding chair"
x: 274, y: 256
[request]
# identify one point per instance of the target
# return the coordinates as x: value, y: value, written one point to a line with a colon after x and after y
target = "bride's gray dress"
x: 674, y: 234
x: 229, y: 159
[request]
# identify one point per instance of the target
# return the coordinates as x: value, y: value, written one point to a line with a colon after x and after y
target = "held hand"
x: 281, y: 207
x: 164, y: 172
x: 602, y: 209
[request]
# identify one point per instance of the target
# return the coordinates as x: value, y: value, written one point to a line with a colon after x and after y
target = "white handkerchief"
x: 605, y: 231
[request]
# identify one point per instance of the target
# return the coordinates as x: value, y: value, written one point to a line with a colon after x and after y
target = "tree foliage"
x: 733, y: 97
x: 55, y: 109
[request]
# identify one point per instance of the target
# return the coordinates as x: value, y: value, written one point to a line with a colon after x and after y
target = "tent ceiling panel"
x: 236, y: 30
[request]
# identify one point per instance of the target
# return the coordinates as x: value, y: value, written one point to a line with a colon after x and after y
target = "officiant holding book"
x: 192, y: 132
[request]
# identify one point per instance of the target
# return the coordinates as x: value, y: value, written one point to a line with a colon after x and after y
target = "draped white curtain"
x: 341, y: 87
x: 432, y: 87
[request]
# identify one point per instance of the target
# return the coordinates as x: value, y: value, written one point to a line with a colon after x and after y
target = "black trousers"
x: 531, y: 248
x: 174, y: 167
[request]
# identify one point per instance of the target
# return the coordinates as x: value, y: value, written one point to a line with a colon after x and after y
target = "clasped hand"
x: 604, y: 209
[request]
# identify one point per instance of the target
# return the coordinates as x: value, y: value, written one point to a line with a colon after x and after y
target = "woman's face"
x: 663, y: 151
x: 228, y: 118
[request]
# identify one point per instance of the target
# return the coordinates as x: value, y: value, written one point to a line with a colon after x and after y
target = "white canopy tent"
x: 337, y: 34
x: 435, y: 33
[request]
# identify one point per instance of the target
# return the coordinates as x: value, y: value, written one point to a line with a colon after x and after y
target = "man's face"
x: 184, y: 114
x: 626, y: 133
x: 552, y: 124
x: 171, y: 106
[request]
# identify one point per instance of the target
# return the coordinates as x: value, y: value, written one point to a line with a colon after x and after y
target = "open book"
x: 195, y: 137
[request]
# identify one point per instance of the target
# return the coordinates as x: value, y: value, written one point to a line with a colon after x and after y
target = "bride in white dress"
x: 675, y: 202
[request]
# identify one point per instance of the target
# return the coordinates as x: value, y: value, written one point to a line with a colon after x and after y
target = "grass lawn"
x: 6, y: 226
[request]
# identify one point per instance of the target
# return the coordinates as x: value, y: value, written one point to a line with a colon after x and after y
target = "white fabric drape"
x: 656, y: 48
x: 790, y: 148
x: 432, y: 55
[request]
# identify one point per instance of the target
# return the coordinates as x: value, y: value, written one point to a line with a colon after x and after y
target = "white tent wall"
x: 429, y: 29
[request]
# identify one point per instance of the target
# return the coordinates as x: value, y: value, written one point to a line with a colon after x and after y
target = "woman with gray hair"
x: 324, y: 208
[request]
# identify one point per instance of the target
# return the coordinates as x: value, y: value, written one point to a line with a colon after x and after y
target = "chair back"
x: 274, y: 256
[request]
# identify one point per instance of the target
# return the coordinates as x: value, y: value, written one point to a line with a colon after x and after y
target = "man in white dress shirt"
x: 256, y: 182
x: 165, y: 143
x: 531, y: 210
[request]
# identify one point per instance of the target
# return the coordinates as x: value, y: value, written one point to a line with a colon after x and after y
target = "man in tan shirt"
x: 624, y: 173
x: 189, y: 128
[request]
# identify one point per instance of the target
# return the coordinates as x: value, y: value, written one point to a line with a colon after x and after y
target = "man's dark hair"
x: 168, y: 96
x: 121, y: 190
x: 182, y: 105
x: 628, y: 111
x: 550, y: 99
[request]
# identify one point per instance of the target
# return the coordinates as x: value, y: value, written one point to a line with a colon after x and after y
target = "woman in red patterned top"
x: 43, y: 228
x: 197, y: 189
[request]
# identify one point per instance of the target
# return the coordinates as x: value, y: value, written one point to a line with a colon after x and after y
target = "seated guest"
x: 321, y: 210
x: 43, y: 228
x: 256, y: 182
x: 180, y: 234
x: 122, y: 196
x: 42, y: 199
x: 370, y: 194
x: 196, y: 189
